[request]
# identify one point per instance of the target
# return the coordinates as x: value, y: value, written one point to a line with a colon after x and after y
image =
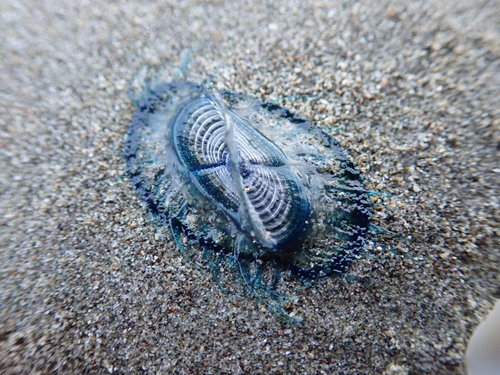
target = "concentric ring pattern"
x: 266, y: 196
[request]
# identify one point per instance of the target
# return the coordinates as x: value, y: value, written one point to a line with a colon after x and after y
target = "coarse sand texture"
x: 89, y: 285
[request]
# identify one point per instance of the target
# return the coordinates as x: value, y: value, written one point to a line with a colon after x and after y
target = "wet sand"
x: 88, y: 285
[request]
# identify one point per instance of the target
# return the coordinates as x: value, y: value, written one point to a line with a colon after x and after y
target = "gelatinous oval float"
x: 246, y: 180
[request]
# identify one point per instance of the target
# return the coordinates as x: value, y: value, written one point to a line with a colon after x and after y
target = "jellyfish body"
x: 246, y: 179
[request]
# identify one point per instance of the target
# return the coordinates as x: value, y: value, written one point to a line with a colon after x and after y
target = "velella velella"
x: 247, y: 182
x: 243, y: 173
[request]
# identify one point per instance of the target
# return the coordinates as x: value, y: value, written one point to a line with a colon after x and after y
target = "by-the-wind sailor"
x: 246, y: 181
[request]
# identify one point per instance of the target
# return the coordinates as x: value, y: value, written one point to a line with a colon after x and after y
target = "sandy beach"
x: 89, y: 286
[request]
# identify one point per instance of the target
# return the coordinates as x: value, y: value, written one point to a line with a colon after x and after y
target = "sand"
x: 89, y: 285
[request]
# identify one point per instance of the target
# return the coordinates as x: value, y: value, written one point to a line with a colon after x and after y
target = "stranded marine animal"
x: 248, y: 183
